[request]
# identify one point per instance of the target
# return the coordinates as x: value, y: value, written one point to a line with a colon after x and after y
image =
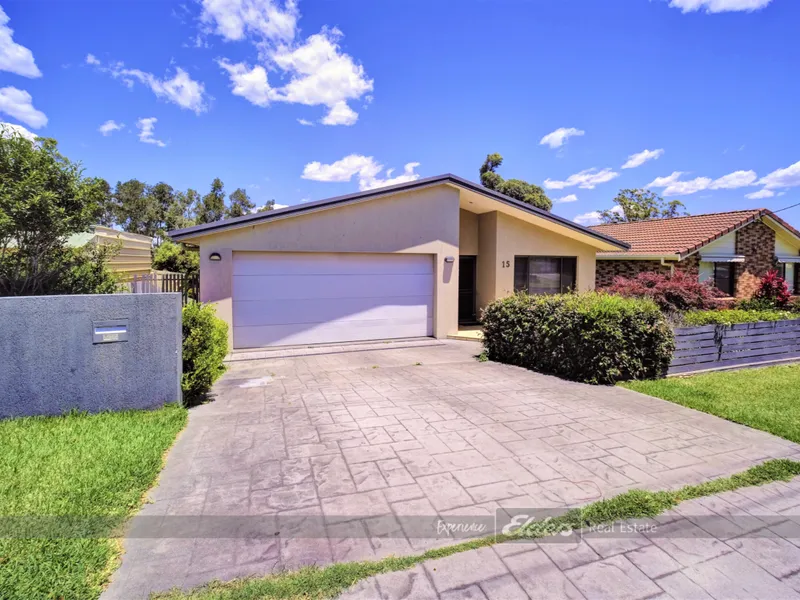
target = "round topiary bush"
x: 591, y: 337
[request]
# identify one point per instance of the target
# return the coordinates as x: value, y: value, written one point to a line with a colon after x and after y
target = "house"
x: 732, y: 249
x: 134, y: 256
x: 409, y: 260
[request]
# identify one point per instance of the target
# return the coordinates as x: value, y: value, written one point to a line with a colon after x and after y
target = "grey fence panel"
x: 721, y: 346
x: 89, y: 353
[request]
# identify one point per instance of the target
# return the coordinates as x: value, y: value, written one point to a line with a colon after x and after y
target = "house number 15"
x: 505, y: 263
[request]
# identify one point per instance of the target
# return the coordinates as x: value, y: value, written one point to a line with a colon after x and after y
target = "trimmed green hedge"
x: 735, y: 315
x: 591, y: 337
x: 205, y: 345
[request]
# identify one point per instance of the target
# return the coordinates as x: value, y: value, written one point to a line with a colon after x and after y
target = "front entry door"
x: 466, y: 290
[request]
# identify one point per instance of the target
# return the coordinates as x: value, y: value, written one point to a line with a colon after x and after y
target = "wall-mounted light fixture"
x: 449, y: 259
x: 215, y: 256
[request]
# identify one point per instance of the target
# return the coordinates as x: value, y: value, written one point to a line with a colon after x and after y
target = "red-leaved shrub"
x: 773, y: 289
x: 677, y: 291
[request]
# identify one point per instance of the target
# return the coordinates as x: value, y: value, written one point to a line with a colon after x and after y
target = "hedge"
x: 591, y: 337
x: 731, y: 316
x: 205, y: 345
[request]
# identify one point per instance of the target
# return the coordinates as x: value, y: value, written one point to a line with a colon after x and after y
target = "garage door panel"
x: 327, y: 333
x: 317, y: 310
x: 288, y: 287
x: 296, y: 298
x: 253, y: 263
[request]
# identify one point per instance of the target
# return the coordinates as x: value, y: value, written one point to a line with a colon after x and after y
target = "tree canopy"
x: 240, y: 204
x: 516, y: 188
x: 44, y: 198
x: 641, y: 205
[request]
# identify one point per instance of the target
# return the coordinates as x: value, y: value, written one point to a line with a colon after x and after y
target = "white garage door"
x: 283, y: 299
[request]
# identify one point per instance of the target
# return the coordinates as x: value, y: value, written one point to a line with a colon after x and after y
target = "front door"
x: 466, y: 290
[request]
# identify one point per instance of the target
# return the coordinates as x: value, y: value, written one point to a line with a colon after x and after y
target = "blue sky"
x: 309, y: 100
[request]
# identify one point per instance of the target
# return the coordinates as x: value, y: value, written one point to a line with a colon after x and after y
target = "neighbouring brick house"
x: 732, y: 249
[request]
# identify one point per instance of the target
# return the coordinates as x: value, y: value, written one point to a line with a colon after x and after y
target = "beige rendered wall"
x: 468, y: 233
x: 424, y: 221
x: 503, y: 237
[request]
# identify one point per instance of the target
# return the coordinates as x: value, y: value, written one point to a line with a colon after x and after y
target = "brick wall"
x: 608, y: 269
x: 757, y: 243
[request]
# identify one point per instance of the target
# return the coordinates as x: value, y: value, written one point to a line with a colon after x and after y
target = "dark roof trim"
x: 297, y: 209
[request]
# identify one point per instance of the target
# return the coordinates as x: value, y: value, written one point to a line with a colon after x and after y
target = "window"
x: 725, y: 278
x: 544, y: 274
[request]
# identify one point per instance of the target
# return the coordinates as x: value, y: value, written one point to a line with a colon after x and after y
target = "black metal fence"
x: 711, y: 347
x: 156, y: 283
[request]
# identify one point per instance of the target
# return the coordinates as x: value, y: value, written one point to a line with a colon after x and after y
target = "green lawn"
x: 766, y: 398
x: 74, y: 466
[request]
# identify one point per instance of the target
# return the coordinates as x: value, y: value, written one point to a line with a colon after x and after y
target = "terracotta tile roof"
x: 681, y: 235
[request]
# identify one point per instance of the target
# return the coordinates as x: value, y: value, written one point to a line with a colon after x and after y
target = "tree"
x: 44, y: 198
x: 180, y: 214
x: 641, y: 205
x: 107, y: 216
x: 212, y: 207
x: 176, y: 258
x: 267, y: 206
x: 240, y: 204
x: 516, y: 188
x: 136, y: 208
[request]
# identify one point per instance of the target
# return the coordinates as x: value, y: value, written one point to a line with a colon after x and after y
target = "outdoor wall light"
x: 214, y: 256
x: 449, y: 259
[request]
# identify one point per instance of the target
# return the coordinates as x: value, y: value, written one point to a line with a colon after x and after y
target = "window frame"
x: 562, y: 261
x: 731, y: 278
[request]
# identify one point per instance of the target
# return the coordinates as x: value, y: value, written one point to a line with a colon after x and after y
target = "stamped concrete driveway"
x: 346, y: 453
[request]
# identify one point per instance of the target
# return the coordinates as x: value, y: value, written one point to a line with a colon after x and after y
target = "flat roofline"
x: 290, y: 211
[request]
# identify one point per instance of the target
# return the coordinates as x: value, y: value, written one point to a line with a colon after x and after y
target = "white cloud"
x: 565, y: 199
x: 180, y: 89
x: 305, y: 122
x: 587, y: 179
x: 340, y: 114
x: 782, y: 178
x: 19, y: 104
x: 9, y: 129
x: 734, y: 180
x: 593, y: 218
x: 14, y: 57
x: 271, y: 22
x: 760, y: 194
x: 365, y: 167
x: 146, y: 127
x: 557, y: 138
x: 276, y: 206
x: 718, y: 6
x: 312, y: 71
x: 110, y: 127
x: 637, y: 160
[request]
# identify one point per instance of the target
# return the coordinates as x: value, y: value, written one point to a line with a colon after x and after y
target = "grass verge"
x: 67, y: 469
x: 329, y: 582
x: 764, y: 398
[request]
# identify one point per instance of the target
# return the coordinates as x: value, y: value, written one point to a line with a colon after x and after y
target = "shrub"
x: 674, y: 292
x: 591, y: 337
x: 773, y: 289
x: 205, y: 345
x: 176, y: 258
x: 729, y: 317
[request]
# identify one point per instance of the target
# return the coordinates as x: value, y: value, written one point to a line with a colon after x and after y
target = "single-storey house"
x: 134, y: 255
x: 408, y: 260
x: 732, y: 249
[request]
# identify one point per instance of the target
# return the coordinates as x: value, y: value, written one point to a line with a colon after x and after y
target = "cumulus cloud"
x: 19, y: 104
x: 782, y: 178
x: 365, y: 168
x: 718, y: 6
x: 305, y: 122
x: 14, y: 57
x: 587, y: 179
x: 565, y: 199
x: 110, y: 127
x: 593, y: 217
x: 9, y: 129
x: 146, y: 130
x: 638, y: 159
x: 674, y: 186
x: 557, y: 138
x: 314, y: 71
x: 760, y: 194
x: 180, y: 89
